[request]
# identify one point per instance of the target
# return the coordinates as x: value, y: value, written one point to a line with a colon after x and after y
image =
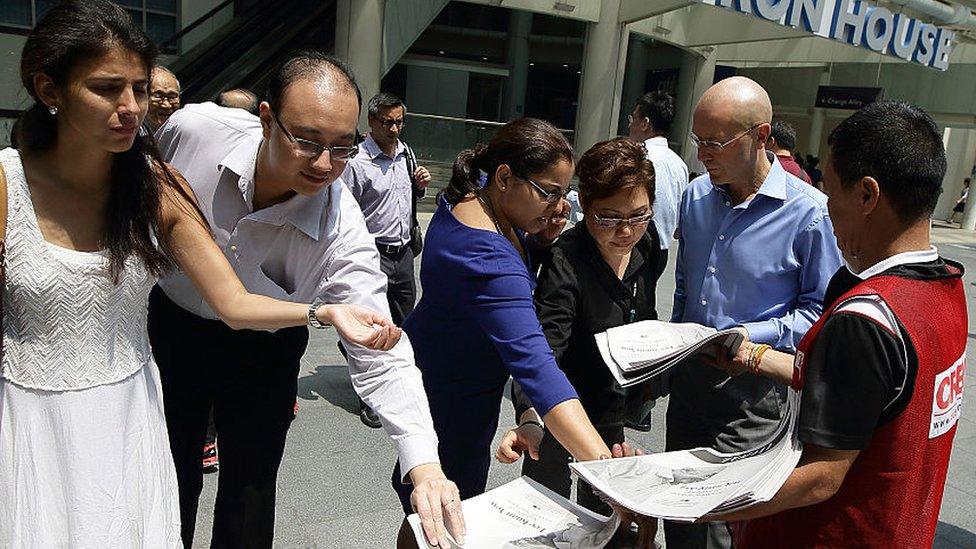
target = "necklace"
x: 491, y: 213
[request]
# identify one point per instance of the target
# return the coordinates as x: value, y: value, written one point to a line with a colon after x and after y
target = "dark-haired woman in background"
x: 601, y: 273
x: 84, y: 454
x: 475, y: 323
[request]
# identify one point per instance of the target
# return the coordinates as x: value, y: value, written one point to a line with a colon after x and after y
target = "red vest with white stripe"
x: 892, y: 492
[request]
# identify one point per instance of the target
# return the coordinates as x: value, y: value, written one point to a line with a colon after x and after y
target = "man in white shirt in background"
x: 265, y: 186
x: 385, y: 180
x: 650, y: 123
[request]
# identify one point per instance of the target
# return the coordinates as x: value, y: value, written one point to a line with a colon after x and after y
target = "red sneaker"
x: 210, y: 463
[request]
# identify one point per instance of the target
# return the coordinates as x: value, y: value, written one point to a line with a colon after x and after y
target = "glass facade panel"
x: 16, y: 12
x: 160, y: 27
x: 168, y: 6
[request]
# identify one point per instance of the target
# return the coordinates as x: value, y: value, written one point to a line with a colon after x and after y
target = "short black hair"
x: 384, y: 100
x: 899, y: 146
x: 658, y: 107
x: 784, y: 134
x: 304, y: 64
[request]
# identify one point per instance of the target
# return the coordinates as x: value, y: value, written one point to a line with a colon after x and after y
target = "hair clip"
x: 482, y: 179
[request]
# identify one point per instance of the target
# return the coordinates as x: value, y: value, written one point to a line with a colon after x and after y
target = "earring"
x: 53, y: 110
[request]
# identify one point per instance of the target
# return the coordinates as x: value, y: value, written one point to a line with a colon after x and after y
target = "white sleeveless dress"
x: 84, y: 453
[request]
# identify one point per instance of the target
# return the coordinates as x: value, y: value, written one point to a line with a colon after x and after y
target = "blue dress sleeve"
x: 504, y: 310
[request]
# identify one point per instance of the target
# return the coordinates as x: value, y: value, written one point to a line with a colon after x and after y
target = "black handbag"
x: 416, y: 235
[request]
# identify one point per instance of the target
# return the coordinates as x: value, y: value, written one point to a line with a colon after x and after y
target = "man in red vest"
x: 882, y: 370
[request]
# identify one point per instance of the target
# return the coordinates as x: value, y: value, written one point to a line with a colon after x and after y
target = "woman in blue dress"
x: 475, y: 324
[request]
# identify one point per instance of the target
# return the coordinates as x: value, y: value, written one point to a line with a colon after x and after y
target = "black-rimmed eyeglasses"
x: 311, y: 149
x: 549, y: 197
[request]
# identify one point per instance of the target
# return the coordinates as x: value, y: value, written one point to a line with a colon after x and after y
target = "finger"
x: 617, y: 451
x: 422, y: 506
x: 392, y: 335
x: 455, y: 515
x: 627, y: 449
x: 377, y: 319
x: 396, y: 333
x: 437, y: 516
x: 507, y: 453
x: 380, y: 337
x: 533, y: 452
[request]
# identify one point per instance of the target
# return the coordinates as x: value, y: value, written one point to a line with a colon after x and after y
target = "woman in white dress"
x: 84, y: 453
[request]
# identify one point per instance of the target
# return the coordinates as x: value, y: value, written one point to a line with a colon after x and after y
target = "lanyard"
x: 632, y: 316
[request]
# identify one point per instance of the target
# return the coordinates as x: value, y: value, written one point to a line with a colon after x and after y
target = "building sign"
x: 858, y: 23
x: 846, y: 97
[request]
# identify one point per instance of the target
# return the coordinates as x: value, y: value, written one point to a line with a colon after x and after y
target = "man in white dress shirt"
x: 385, y: 180
x: 266, y: 188
x: 650, y: 123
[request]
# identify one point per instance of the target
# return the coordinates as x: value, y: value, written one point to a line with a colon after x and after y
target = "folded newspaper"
x: 687, y: 485
x: 636, y: 352
x: 525, y: 514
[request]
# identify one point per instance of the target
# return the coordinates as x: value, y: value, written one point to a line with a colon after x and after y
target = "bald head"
x: 731, y: 125
x: 738, y: 101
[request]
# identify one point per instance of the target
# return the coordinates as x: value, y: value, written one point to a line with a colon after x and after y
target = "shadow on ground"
x: 330, y: 382
x: 948, y: 536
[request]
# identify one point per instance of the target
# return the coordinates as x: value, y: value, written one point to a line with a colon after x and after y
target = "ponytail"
x: 464, y: 180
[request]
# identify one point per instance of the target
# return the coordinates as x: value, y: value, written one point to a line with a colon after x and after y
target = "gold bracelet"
x: 757, y: 353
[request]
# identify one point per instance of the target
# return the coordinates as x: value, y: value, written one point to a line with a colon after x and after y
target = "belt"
x: 390, y: 249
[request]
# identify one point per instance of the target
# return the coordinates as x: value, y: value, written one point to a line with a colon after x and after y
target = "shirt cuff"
x: 416, y: 450
x: 762, y: 332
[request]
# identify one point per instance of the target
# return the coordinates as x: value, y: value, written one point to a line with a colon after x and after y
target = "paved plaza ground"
x: 334, y: 484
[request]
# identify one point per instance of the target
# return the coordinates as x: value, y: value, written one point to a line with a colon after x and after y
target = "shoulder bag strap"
x: 3, y: 246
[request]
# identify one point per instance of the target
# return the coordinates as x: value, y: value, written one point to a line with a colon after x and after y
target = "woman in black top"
x: 601, y: 273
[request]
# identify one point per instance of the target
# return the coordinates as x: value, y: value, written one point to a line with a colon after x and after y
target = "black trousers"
x: 401, y: 288
x: 552, y: 469
x: 249, y: 378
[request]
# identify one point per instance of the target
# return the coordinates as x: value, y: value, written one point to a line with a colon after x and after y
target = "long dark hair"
x: 526, y: 145
x: 70, y: 33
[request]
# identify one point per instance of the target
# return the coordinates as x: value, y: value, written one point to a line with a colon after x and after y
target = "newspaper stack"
x: 523, y: 513
x: 636, y: 352
x: 687, y: 485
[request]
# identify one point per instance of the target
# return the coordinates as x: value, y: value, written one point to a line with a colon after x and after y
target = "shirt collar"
x: 774, y: 186
x: 241, y: 160
x: 904, y: 258
x: 659, y: 141
x: 302, y: 212
x: 373, y: 149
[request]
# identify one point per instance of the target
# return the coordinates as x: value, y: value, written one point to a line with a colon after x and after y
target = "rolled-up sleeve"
x: 389, y: 382
x: 816, y: 249
x: 505, y: 312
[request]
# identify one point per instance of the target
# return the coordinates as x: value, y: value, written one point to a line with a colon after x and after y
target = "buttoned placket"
x: 721, y: 244
x: 399, y: 196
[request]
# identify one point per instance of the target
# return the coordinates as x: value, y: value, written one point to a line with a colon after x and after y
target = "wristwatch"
x: 313, y: 320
